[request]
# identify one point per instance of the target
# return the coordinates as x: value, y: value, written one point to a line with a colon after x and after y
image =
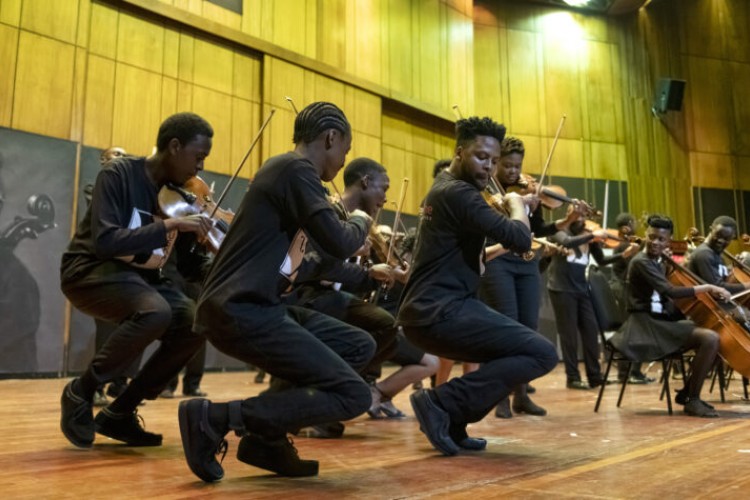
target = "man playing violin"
x: 242, y: 313
x: 440, y: 311
x: 511, y: 283
x: 655, y: 329
x: 111, y: 270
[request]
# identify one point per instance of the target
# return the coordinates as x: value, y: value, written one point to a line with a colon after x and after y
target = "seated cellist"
x: 654, y: 329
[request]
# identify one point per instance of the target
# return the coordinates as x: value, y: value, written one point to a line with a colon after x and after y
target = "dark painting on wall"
x: 35, y: 219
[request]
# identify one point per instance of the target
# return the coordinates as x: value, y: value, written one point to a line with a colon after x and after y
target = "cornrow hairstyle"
x: 316, y: 118
x: 726, y: 221
x: 660, y: 222
x: 512, y: 145
x: 469, y: 129
x: 440, y: 165
x: 358, y: 168
x: 624, y: 219
x: 184, y: 127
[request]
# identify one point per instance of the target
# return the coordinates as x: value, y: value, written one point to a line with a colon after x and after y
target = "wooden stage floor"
x: 637, y: 451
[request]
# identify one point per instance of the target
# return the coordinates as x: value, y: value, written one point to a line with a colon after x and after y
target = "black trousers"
x: 509, y: 353
x: 318, y: 355
x: 364, y: 315
x: 512, y: 288
x: 574, y: 313
x: 143, y: 312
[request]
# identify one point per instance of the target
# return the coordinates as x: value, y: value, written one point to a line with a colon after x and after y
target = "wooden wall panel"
x: 490, y: 80
x: 140, y: 43
x: 710, y: 104
x: 58, y: 19
x: 103, y: 30
x: 740, y: 105
x: 401, y: 59
x: 213, y: 66
x: 10, y: 12
x: 216, y: 107
x: 525, y: 112
x: 8, y: 51
x: 137, y: 109
x: 44, y: 85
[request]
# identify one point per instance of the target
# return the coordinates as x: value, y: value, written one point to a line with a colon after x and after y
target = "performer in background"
x: 111, y: 270
x: 511, y: 284
x: 440, y: 311
x: 655, y: 328
x: 242, y: 313
x: 706, y: 260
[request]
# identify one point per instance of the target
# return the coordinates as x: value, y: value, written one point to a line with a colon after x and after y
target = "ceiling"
x: 611, y: 7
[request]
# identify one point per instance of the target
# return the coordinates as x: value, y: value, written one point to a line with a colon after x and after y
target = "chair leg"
x: 745, y: 383
x: 604, y: 384
x: 722, y: 381
x: 665, y: 389
x: 624, y: 384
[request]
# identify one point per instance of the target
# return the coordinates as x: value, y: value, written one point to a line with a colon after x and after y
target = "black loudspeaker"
x: 669, y: 95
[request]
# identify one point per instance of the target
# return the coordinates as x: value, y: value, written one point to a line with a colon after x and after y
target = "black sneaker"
x: 279, y: 456
x: 696, y: 407
x: 200, y: 441
x: 76, y: 418
x: 433, y: 422
x: 681, y: 396
x: 127, y: 428
x: 526, y: 405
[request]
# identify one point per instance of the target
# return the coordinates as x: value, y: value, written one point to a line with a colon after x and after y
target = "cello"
x: 728, y: 319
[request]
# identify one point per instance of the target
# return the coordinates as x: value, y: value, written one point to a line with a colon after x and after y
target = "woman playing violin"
x: 654, y: 329
x: 511, y: 284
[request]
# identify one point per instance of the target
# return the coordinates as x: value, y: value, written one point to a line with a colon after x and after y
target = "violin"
x: 550, y: 196
x: 612, y: 238
x: 192, y: 198
x: 379, y: 245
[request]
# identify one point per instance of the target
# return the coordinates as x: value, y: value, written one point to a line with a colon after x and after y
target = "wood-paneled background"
x: 107, y: 72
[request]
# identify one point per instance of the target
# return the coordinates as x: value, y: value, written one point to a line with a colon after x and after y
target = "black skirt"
x: 644, y: 337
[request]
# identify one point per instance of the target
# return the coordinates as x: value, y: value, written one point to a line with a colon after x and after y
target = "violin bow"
x: 606, y: 203
x: 397, y: 218
x: 242, y: 163
x: 291, y: 103
x: 457, y: 110
x: 341, y: 199
x: 549, y: 156
x: 400, y: 222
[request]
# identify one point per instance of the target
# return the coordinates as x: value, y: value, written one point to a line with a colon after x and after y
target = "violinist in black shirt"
x: 241, y: 309
x: 706, y: 260
x: 440, y: 311
x: 111, y: 271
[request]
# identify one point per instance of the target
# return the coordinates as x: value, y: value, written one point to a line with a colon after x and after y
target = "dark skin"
x: 177, y: 163
x: 720, y: 237
x: 327, y: 152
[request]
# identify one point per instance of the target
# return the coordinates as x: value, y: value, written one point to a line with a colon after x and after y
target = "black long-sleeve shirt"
x: 449, y: 255
x: 709, y: 266
x: 261, y: 254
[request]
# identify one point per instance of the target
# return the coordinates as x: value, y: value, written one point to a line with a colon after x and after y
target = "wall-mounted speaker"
x: 668, y: 96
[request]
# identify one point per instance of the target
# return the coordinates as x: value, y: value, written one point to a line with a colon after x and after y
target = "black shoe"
x: 76, y: 418
x: 578, y: 384
x: 681, y: 396
x: 194, y: 393
x: 636, y: 380
x: 200, y: 441
x: 530, y: 389
x: 473, y: 444
x: 598, y: 382
x: 433, y: 422
x: 100, y: 399
x: 417, y: 385
x: 127, y: 428
x: 503, y: 409
x: 331, y: 430
x: 279, y: 456
x: 526, y: 405
x: 260, y: 377
x: 696, y: 407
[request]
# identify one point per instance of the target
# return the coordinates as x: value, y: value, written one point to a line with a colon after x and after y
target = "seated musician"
x: 111, y: 271
x: 655, y: 329
x: 706, y: 260
x: 440, y: 311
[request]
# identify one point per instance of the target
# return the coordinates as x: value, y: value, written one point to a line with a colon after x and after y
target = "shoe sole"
x: 439, y: 445
x: 157, y: 441
x: 184, y: 421
x: 245, y: 456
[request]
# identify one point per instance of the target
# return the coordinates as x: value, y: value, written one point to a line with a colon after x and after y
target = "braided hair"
x: 316, y: 118
x: 469, y: 129
x: 512, y: 145
x: 184, y: 127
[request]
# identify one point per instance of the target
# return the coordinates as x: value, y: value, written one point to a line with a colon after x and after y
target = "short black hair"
x: 316, y: 118
x: 440, y: 165
x: 512, y: 145
x: 409, y: 241
x: 358, y: 168
x: 469, y: 129
x: 660, y: 222
x: 726, y: 221
x: 184, y: 127
x: 624, y: 219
